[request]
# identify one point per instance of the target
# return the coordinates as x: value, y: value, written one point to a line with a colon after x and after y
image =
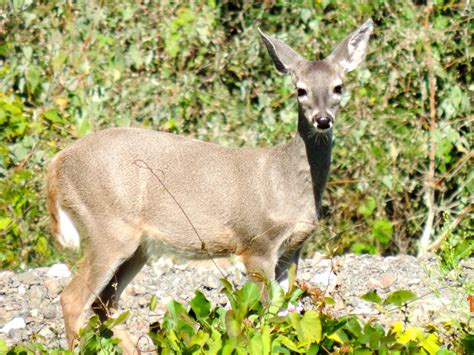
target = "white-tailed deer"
x: 122, y: 191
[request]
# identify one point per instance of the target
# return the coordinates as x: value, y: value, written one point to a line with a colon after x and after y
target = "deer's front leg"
x: 260, y: 269
x: 288, y: 258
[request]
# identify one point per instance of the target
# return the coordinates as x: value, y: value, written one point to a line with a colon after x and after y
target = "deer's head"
x: 318, y: 83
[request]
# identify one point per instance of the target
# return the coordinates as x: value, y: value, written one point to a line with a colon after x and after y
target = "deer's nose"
x: 322, y: 122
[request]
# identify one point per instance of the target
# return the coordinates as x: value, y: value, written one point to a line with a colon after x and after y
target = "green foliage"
x: 98, y: 337
x: 24, y: 150
x: 455, y: 247
x: 254, y: 326
x: 198, y: 68
x: 396, y: 298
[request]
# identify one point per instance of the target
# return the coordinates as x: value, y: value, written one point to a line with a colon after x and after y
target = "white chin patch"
x: 319, y: 130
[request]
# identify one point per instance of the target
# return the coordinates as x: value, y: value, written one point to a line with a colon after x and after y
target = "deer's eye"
x: 338, y: 90
x: 302, y: 92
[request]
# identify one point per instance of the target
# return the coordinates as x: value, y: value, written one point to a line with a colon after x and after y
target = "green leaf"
x: 289, y: 344
x: 232, y: 326
x: 444, y: 351
x: 153, y: 303
x: 367, y: 207
x: 53, y: 116
x: 200, y: 305
x: 399, y: 298
x: 229, y: 291
x: 3, y: 346
x: 372, y: 296
x: 313, y: 349
x: 247, y: 298
x: 291, y: 276
x: 468, y: 342
x: 382, y: 230
x: 215, y: 342
x: 329, y: 301
x: 83, y: 127
x: 19, y: 152
x: 277, y: 298
x: 33, y: 77
x: 353, y: 326
x: 311, y: 326
x: 363, y: 352
x: 266, y: 338
x: 256, y: 344
x: 430, y: 344
x: 178, y: 312
x: 112, y: 322
x: 5, y: 222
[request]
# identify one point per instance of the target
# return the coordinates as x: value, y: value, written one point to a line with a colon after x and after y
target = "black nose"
x: 323, y: 122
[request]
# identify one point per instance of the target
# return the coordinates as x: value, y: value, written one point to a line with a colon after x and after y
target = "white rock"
x: 15, y: 323
x: 59, y: 270
x: 21, y: 289
x: 326, y: 278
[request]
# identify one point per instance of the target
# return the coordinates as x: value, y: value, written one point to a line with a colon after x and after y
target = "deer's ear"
x: 284, y: 58
x: 351, y: 52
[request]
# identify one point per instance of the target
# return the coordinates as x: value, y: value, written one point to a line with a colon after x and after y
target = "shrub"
x: 402, y: 143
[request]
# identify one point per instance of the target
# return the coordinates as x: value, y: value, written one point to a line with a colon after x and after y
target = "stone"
x: 6, y: 276
x: 50, y: 312
x: 325, y: 279
x: 4, y: 316
x: 59, y: 271
x: 53, y: 287
x: 143, y: 301
x: 18, y: 335
x: 36, y: 295
x: 137, y: 290
x: 414, y: 281
x: 374, y: 284
x: 15, y: 323
x: 387, y: 280
x: 29, y: 278
x: 46, y: 332
x: 34, y: 313
x: 212, y: 282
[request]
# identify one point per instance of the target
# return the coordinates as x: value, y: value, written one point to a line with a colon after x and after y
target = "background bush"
x: 199, y: 69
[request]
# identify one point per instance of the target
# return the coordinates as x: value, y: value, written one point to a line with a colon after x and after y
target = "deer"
x: 120, y: 194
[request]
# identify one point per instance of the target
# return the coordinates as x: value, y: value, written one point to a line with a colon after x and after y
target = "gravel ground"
x: 30, y: 309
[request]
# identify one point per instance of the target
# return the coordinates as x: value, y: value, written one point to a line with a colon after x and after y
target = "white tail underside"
x: 68, y: 235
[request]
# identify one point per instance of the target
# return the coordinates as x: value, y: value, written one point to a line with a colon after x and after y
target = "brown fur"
x: 52, y: 195
x: 127, y: 189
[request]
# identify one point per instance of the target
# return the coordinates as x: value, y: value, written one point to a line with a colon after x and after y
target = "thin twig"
x: 142, y: 164
x: 429, y: 195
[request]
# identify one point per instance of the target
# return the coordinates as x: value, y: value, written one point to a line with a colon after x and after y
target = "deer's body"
x: 230, y: 209
x: 124, y: 192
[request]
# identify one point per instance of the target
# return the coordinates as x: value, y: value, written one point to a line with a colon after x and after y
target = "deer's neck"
x: 311, y: 160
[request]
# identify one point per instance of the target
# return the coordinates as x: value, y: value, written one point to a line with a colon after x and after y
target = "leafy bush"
x: 253, y: 326
x: 402, y: 146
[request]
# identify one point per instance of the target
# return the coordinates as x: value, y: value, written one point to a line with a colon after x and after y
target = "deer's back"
x: 146, y: 179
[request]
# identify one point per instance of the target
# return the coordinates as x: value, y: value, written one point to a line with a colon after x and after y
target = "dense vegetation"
x: 275, y: 326
x: 402, y: 152
x: 402, y: 141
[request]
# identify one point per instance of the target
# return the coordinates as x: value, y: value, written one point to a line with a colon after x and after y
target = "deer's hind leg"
x: 107, y: 302
x: 104, y: 257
